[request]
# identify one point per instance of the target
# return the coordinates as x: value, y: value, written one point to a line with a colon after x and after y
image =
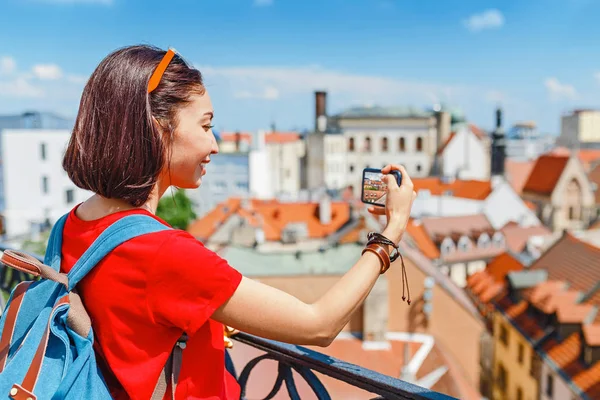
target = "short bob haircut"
x: 116, y: 150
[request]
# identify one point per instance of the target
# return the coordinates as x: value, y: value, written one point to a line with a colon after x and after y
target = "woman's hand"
x: 398, y: 203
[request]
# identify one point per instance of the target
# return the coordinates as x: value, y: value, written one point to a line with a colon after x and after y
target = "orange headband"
x: 160, y: 70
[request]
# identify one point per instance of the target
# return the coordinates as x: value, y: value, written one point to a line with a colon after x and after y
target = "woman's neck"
x: 97, y: 206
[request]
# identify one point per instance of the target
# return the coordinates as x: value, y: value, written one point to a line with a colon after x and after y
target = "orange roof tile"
x: 573, y: 313
x: 566, y: 354
x: 588, y: 156
x: 573, y: 261
x: 545, y: 174
x: 500, y: 266
x: 422, y: 240
x: 206, y: 226
x: 270, y: 137
x: 480, y: 133
x: 273, y: 217
x: 467, y: 189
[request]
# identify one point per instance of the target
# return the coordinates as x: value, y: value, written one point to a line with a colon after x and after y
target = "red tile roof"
x: 545, y: 174
x: 517, y: 236
x: 273, y: 217
x: 422, y: 240
x: 270, y: 137
x: 573, y: 261
x: 467, y: 189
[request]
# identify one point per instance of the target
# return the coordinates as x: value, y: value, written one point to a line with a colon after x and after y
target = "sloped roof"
x: 467, y: 189
x: 516, y: 236
x: 517, y: 173
x: 545, y: 174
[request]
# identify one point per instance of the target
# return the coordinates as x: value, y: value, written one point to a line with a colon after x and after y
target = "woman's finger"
x: 377, y: 210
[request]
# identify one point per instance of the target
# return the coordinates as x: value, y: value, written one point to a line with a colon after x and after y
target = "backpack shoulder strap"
x: 119, y: 232
x: 53, y: 250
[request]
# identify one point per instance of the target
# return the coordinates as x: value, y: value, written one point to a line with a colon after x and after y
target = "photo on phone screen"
x: 373, y: 187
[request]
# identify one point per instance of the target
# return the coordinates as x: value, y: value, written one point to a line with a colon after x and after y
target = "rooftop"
x: 467, y: 189
x: 545, y: 174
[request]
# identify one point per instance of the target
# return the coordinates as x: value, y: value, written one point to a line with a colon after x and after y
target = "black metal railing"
x: 292, y: 358
x: 306, y: 362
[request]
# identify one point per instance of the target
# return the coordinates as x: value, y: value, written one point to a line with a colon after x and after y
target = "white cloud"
x: 19, y: 88
x: 8, y: 65
x: 47, y: 71
x: 558, y: 90
x: 275, y: 82
x: 489, y: 19
x: 268, y: 93
x: 263, y: 3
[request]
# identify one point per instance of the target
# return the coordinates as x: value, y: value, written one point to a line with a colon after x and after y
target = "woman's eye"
x: 208, y: 127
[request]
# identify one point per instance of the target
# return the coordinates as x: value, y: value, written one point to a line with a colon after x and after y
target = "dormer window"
x: 498, y: 239
x: 447, y: 246
x: 483, y: 241
x: 464, y: 243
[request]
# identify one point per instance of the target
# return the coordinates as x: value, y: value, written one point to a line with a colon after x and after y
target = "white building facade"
x: 371, y: 138
x: 466, y: 156
x: 34, y: 189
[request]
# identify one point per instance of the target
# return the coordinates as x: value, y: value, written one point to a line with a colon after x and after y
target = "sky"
x: 262, y: 60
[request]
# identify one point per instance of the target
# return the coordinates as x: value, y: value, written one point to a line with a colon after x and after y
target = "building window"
x: 401, y: 144
x: 44, y: 184
x: 447, y: 246
x: 519, y: 393
x: 418, y: 167
x: 502, y: 378
x: 464, y: 243
x: 242, y: 186
x: 498, y: 239
x: 483, y: 241
x: 368, y: 144
x: 70, y: 196
x: 572, y: 213
x: 219, y: 186
x: 384, y: 144
x: 419, y: 144
x: 549, y: 385
x: 351, y: 168
x: 521, y: 354
x: 351, y: 144
x: 587, y: 355
x: 43, y: 151
x: 504, y: 335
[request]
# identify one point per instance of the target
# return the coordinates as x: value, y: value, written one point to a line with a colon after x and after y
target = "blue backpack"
x: 46, y: 339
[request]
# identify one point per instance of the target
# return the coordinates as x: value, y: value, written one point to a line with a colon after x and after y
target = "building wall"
x: 284, y: 166
x: 507, y: 356
x: 315, y: 160
x: 559, y: 388
x: 466, y: 157
x: 227, y: 175
x: 504, y: 205
x: 580, y: 127
x: 526, y: 149
x: 26, y: 204
x: 336, y: 167
x: 560, y: 199
x: 443, y: 206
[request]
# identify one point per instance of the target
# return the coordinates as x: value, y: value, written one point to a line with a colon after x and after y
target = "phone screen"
x: 374, y: 189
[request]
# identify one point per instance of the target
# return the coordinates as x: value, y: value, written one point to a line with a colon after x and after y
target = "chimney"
x: 498, y: 146
x: 320, y: 111
x: 442, y: 125
x: 325, y: 210
x: 237, y: 141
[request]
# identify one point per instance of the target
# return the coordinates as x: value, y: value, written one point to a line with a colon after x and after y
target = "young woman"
x: 144, y: 124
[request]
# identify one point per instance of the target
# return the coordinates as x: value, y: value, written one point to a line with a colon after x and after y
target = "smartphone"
x: 374, y: 188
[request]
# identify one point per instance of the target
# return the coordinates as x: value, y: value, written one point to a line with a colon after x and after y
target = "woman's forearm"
x: 337, y: 305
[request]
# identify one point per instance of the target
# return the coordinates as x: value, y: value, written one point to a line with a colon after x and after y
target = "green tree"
x: 176, y: 210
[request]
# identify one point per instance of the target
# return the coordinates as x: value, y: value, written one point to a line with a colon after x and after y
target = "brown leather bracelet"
x: 382, y: 253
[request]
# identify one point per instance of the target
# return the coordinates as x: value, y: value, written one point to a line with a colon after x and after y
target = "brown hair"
x: 115, y: 149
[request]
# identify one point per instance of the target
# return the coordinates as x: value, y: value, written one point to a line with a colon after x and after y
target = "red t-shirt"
x: 142, y: 296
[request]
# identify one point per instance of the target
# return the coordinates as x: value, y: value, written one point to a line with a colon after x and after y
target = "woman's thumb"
x: 390, y: 180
